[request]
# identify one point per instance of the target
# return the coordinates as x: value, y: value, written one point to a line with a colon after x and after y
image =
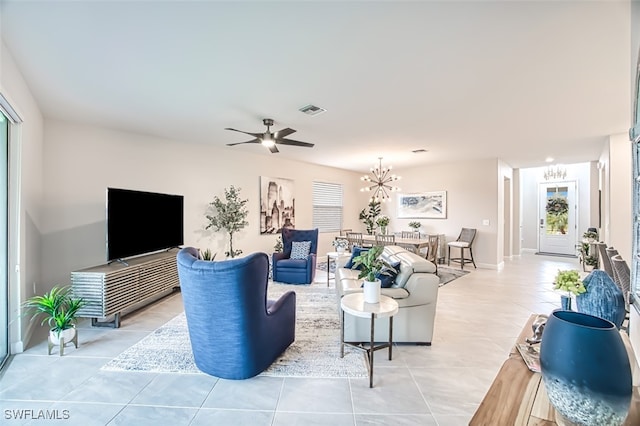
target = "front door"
x: 557, y: 218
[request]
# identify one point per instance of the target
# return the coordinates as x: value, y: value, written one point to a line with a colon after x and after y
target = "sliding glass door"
x: 4, y: 238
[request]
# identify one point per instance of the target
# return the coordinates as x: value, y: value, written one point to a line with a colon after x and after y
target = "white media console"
x: 113, y: 288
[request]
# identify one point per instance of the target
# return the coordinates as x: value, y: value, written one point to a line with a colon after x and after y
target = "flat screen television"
x: 141, y: 222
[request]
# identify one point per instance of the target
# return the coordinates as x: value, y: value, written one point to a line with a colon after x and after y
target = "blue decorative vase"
x: 585, y: 369
x: 565, y: 303
x: 602, y: 299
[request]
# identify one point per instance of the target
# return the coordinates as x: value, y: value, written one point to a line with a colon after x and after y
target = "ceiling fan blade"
x: 273, y: 149
x: 284, y: 133
x: 240, y: 143
x: 294, y: 143
x: 255, y: 135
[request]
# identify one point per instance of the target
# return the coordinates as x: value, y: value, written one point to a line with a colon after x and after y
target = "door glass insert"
x: 557, y: 210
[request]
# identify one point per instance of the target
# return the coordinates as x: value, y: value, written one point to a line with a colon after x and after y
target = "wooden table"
x: 518, y: 397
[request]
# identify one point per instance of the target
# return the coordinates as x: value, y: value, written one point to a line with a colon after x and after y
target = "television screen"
x: 142, y: 222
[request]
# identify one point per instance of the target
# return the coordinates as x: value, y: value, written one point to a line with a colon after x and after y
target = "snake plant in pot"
x: 371, y: 266
x: 58, y: 308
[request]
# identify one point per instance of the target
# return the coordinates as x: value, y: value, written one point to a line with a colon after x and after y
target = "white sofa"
x: 416, y: 291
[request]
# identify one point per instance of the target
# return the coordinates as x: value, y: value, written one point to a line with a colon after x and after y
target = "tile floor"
x: 478, y: 318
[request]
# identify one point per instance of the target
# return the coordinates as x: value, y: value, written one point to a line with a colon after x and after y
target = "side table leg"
x: 371, y: 352
x: 341, y: 333
x: 390, y: 336
x: 328, y: 269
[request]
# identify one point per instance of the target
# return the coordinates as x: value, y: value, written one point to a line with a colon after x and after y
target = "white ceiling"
x: 513, y: 80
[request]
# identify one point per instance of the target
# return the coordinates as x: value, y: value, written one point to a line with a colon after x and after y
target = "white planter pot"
x: 372, y: 291
x: 67, y: 335
x: 340, y: 249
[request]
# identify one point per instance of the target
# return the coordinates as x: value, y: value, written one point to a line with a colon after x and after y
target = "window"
x: 327, y: 206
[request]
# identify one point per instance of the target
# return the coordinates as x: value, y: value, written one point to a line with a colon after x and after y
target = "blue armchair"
x: 296, y: 271
x: 235, y: 332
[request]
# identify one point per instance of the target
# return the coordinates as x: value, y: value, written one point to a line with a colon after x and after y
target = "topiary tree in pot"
x: 229, y: 215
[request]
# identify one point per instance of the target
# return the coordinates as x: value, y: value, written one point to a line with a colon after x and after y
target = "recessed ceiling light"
x: 419, y: 151
x: 312, y: 110
x: 549, y: 159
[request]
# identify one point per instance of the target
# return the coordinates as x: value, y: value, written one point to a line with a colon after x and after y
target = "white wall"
x: 620, y: 187
x: 82, y: 161
x: 472, y: 195
x: 25, y: 181
x: 529, y: 180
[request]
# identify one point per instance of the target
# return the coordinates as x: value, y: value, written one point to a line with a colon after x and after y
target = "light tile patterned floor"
x: 478, y: 318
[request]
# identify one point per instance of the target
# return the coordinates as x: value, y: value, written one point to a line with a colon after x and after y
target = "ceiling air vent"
x: 312, y: 110
x: 419, y: 151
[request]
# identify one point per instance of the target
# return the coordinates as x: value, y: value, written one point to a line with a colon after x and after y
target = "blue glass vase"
x: 585, y: 369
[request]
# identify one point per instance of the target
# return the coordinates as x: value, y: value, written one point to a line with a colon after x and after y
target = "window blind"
x: 327, y: 206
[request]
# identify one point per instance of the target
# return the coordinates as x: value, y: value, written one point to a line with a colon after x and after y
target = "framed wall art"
x: 277, y: 205
x: 423, y: 205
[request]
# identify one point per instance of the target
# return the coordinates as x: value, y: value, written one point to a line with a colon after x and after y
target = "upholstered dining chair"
x: 296, y: 264
x: 464, y: 241
x: 235, y: 332
x: 385, y: 240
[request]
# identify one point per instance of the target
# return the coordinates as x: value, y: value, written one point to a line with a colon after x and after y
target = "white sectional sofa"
x: 415, y: 290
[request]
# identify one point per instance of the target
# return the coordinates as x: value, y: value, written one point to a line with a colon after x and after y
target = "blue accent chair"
x: 235, y: 332
x: 296, y: 271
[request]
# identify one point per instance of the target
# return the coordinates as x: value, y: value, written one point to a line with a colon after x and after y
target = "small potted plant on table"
x: 570, y: 283
x: 59, y: 309
x: 341, y: 245
x: 415, y: 225
x: 371, y: 265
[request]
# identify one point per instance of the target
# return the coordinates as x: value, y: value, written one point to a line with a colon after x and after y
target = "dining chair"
x: 385, y: 240
x: 605, y: 260
x: 464, y: 241
x: 344, y: 232
x: 355, y: 239
x: 432, y: 250
x: 410, y: 234
x: 623, y: 275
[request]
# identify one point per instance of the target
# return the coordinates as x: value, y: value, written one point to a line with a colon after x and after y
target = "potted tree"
x: 58, y: 309
x: 368, y: 217
x: 229, y: 215
x: 371, y: 266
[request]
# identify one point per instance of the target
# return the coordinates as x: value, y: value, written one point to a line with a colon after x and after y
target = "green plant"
x: 591, y: 260
x: 590, y: 236
x: 57, y: 307
x: 415, y: 225
x: 368, y: 217
x: 229, y: 215
x: 340, y: 243
x: 206, y: 255
x: 382, y: 220
x: 278, y: 247
x: 569, y: 281
x: 370, y: 264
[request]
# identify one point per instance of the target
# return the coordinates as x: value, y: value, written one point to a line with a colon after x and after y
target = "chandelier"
x: 556, y: 172
x: 380, y: 179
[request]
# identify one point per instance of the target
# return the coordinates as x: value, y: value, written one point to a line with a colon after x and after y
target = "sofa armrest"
x: 423, y: 288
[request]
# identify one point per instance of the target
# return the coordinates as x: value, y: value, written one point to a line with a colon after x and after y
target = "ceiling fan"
x: 270, y: 139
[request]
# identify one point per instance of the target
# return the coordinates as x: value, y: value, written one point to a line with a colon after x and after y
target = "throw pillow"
x: 300, y: 249
x: 355, y: 252
x: 387, y: 281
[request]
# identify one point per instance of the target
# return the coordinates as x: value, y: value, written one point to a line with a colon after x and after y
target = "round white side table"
x: 354, y: 304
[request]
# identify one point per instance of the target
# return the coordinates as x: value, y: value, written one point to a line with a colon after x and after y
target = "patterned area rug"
x: 315, y: 352
x: 445, y: 273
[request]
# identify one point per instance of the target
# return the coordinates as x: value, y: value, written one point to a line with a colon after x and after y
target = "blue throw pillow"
x: 355, y: 252
x: 300, y: 250
x: 387, y: 281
